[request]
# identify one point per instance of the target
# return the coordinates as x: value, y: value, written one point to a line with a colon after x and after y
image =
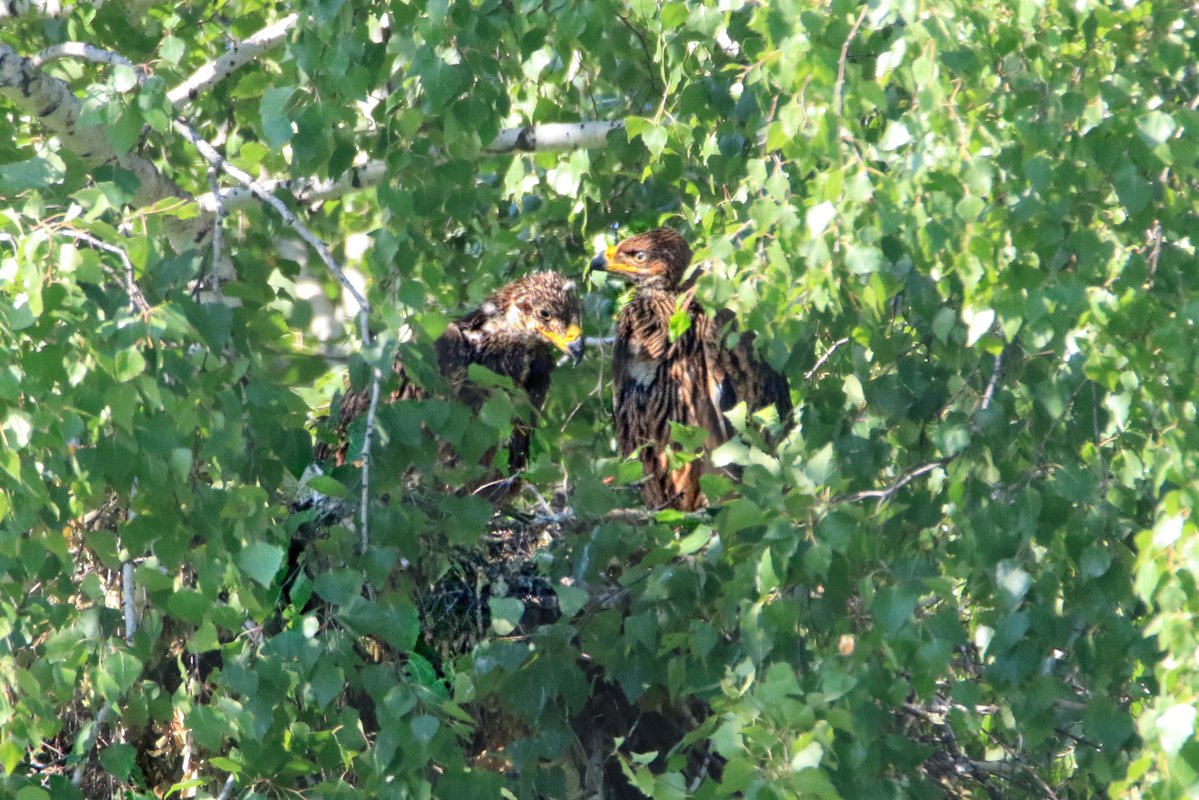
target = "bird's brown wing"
x: 354, y: 405
x: 453, y: 356
x: 529, y: 365
x: 739, y: 374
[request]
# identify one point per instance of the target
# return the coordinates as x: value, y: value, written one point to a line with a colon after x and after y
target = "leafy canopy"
x: 963, y: 230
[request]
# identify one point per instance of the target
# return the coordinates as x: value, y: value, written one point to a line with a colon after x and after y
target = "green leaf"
x: 893, y: 608
x: 895, y: 137
x: 441, y: 81
x: 208, y: 726
x: 261, y: 561
x: 691, y: 437
x: 39, y: 172
x: 326, y: 683
x: 570, y: 599
x: 680, y: 323
x: 338, y: 586
x: 328, y: 486
x: 1175, y: 725
x: 129, y: 364
x: 695, y: 541
x: 188, y: 605
x: 863, y: 260
x: 118, y: 760
x: 277, y: 126
x: 425, y: 727
x: 1156, y: 127
x: 978, y: 323
x: 10, y: 756
x: 205, y: 639
x: 505, y: 614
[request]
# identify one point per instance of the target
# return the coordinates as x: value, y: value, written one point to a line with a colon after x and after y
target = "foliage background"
x: 961, y: 229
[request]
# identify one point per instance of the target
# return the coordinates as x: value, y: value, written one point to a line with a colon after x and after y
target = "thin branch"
x: 260, y: 192
x: 548, y: 137
x: 128, y: 592
x: 839, y: 86
x: 89, y: 743
x: 888, y: 492
x: 218, y: 219
x: 136, y: 298
x: 989, y: 391
x: 306, y: 191
x: 227, y: 789
x: 634, y: 516
x: 218, y: 161
x: 364, y: 505
x: 81, y: 50
x: 238, y: 54
x: 1156, y: 238
x: 128, y: 584
x: 827, y: 355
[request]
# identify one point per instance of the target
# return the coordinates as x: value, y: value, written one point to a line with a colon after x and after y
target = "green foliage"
x: 964, y: 231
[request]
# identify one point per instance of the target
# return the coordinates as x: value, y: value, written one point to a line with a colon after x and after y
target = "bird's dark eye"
x: 640, y: 255
x: 544, y: 313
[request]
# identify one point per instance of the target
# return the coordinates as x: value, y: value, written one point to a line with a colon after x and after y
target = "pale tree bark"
x: 238, y: 54
x: 555, y: 137
x: 53, y: 9
x: 52, y: 103
x: 545, y: 137
x: 34, y: 8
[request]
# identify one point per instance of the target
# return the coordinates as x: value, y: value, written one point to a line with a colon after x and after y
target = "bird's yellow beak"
x: 570, y: 342
x: 607, y: 262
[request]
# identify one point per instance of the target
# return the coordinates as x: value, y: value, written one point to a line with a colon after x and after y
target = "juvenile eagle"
x: 692, y: 380
x: 515, y: 332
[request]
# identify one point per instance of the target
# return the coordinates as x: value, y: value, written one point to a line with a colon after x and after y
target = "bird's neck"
x: 658, y: 286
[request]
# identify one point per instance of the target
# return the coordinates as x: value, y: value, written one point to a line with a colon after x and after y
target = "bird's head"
x: 656, y: 259
x: 542, y: 305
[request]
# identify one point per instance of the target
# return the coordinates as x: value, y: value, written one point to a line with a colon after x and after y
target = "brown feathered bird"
x: 516, y: 332
x: 692, y: 380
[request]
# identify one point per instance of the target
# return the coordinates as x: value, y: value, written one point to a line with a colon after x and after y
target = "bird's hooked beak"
x: 570, y: 342
x: 608, y: 261
x: 601, y: 261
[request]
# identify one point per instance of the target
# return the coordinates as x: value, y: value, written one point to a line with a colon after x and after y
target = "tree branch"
x: 80, y: 50
x: 839, y: 86
x: 54, y: 9
x: 887, y: 492
x: 11, y: 9
x: 549, y: 137
x: 827, y: 355
x: 554, y: 137
x: 364, y: 503
x: 84, y: 747
x: 55, y: 106
x: 136, y: 298
x: 306, y: 190
x: 217, y: 161
x: 231, y: 60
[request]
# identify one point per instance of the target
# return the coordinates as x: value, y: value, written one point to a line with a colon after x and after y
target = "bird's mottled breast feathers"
x: 692, y: 378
